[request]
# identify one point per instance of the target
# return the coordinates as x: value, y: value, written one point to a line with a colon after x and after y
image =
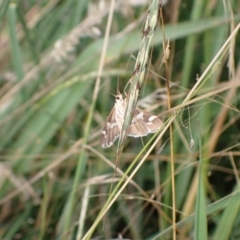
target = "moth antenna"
x: 129, y: 81
x: 118, y: 85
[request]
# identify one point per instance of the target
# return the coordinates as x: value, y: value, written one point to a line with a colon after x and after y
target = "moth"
x: 142, y: 123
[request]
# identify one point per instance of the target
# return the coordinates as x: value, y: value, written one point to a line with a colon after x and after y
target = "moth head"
x: 119, y: 97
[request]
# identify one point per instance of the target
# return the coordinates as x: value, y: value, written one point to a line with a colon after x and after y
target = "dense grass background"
x: 54, y: 176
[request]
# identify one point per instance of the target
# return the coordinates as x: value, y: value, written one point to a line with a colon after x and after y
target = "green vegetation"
x: 61, y: 62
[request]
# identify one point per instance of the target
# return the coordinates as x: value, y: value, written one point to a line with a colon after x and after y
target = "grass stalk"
x: 165, y: 49
x: 139, y: 73
x: 200, y: 228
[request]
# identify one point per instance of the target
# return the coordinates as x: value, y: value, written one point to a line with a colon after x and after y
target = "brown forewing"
x: 110, y: 131
x: 143, y: 123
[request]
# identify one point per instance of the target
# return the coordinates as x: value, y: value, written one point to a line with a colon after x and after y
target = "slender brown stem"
x: 165, y: 59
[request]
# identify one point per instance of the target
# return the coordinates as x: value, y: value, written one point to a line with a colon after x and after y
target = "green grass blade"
x: 212, y: 209
x: 226, y: 223
x: 18, y: 223
x: 15, y: 48
x: 48, y: 117
x: 200, y: 226
x: 189, y: 53
x: 3, y: 9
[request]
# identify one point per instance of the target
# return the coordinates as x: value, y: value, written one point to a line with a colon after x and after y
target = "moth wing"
x: 110, y: 131
x: 137, y: 129
x: 143, y: 123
